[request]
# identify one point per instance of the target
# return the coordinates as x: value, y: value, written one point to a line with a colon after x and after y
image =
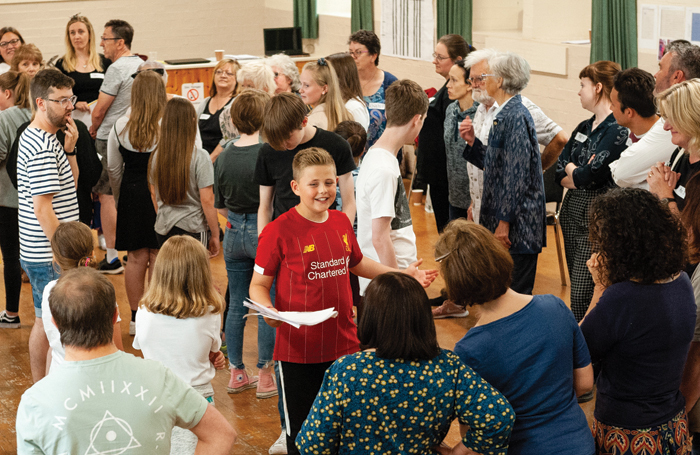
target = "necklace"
x: 371, y: 79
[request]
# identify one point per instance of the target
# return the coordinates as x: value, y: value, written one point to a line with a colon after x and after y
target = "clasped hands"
x: 662, y: 180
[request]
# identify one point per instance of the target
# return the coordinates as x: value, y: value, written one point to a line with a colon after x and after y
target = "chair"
x: 553, y: 192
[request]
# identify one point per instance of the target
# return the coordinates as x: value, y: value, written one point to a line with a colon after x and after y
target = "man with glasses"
x: 112, y: 103
x: 46, y: 179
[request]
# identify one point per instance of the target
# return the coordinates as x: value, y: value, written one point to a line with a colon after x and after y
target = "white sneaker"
x: 280, y: 446
x: 132, y: 328
x: 101, y: 242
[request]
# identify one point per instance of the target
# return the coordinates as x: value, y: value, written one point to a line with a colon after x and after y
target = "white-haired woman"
x: 286, y: 73
x: 257, y: 75
x: 512, y: 205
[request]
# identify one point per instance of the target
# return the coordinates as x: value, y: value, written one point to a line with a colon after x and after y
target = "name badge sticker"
x: 581, y: 137
x: 204, y: 117
x: 379, y: 106
x: 97, y: 75
x: 680, y: 191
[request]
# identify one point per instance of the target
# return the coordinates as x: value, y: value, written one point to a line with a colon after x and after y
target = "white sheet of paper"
x: 293, y: 318
x: 85, y: 117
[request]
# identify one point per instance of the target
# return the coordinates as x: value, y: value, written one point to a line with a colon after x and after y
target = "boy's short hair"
x: 26, y: 52
x: 635, y: 90
x: 404, y: 100
x: 248, y: 110
x: 82, y: 304
x: 355, y: 134
x: 283, y: 114
x: 46, y: 80
x: 313, y: 156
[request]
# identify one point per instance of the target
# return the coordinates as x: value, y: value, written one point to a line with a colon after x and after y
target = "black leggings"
x: 9, y: 244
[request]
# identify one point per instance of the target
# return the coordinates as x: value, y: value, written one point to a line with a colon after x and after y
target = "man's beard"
x: 59, y: 121
x: 482, y: 96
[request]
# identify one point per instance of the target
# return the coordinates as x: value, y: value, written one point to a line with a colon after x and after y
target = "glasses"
x: 439, y: 57
x: 276, y: 74
x: 12, y: 42
x: 357, y: 53
x: 65, y: 102
x: 160, y: 71
x: 223, y: 73
x: 104, y: 38
x: 480, y: 79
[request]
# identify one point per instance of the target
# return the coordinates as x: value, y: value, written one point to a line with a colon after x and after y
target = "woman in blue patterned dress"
x: 512, y: 205
x: 401, y: 394
x: 583, y: 168
x: 365, y: 48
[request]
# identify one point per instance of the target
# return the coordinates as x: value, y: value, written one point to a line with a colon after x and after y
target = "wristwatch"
x: 666, y: 200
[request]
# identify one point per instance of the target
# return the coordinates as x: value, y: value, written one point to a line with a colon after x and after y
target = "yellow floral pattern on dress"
x: 371, y: 405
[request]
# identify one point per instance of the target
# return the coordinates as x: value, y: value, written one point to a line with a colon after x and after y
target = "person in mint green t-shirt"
x: 102, y: 400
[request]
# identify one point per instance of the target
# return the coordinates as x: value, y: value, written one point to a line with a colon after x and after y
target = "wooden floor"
x: 256, y: 421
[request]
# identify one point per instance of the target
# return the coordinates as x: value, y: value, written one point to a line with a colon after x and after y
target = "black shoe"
x: 8, y: 322
x: 125, y: 258
x: 110, y: 268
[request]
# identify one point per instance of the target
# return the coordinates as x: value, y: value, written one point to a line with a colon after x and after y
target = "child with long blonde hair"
x: 179, y: 319
x: 320, y: 89
x: 72, y: 245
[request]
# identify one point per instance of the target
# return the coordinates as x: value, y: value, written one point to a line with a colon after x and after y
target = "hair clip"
x: 75, y: 16
x: 87, y: 261
x: 322, y: 62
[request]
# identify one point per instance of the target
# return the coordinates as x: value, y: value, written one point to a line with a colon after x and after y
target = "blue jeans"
x: 40, y: 274
x: 240, y: 245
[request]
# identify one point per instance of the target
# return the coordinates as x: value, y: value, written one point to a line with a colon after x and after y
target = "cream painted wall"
x: 173, y: 28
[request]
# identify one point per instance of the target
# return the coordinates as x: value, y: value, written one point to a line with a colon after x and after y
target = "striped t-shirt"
x: 42, y: 168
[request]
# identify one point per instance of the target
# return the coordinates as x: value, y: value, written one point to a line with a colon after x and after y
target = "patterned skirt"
x: 671, y: 438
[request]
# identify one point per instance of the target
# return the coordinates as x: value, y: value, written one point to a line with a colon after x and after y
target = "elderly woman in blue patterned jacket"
x: 512, y: 206
x: 583, y: 168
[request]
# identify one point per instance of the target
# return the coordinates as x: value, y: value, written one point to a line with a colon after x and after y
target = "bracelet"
x: 71, y: 154
x: 666, y: 200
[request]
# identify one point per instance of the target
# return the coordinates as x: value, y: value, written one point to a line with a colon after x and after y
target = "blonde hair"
x: 182, y: 285
x: 324, y: 74
x: 261, y: 75
x: 70, y: 59
x: 18, y: 83
x: 171, y: 161
x: 147, y: 105
x: 72, y: 246
x: 679, y: 105
x: 26, y: 52
x: 313, y: 156
x: 227, y: 61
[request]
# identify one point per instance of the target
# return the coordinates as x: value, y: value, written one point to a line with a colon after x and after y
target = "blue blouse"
x: 513, y: 184
x: 369, y: 405
x: 377, y: 115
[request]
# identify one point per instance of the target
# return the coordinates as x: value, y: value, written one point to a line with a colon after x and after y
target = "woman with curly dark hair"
x: 640, y: 323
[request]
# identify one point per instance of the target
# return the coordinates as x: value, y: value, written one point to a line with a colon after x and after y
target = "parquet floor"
x: 256, y: 421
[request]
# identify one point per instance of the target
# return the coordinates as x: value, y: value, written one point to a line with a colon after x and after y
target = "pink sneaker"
x: 449, y: 309
x: 240, y: 381
x: 266, y: 385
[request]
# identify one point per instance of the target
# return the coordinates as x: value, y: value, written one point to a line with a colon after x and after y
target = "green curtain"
x: 614, y: 32
x: 361, y: 16
x: 455, y: 16
x: 305, y: 17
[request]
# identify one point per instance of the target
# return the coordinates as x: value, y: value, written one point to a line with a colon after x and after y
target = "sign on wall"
x: 407, y: 28
x: 194, y: 92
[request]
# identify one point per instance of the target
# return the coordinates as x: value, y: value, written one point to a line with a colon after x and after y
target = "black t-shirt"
x: 274, y: 167
x: 687, y: 170
x: 432, y: 159
x: 87, y: 85
x: 234, y: 173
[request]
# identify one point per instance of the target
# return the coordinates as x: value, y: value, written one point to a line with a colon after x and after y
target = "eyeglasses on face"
x: 480, y: 79
x: 357, y: 53
x: 65, y: 102
x: 12, y: 42
x: 224, y: 73
x: 439, y: 57
x: 104, y: 38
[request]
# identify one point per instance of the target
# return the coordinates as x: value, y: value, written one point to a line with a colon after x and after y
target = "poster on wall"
x: 407, y: 28
x: 194, y: 92
x: 648, y: 27
x: 693, y: 25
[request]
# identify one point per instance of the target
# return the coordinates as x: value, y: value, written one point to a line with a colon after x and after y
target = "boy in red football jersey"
x: 311, y: 251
